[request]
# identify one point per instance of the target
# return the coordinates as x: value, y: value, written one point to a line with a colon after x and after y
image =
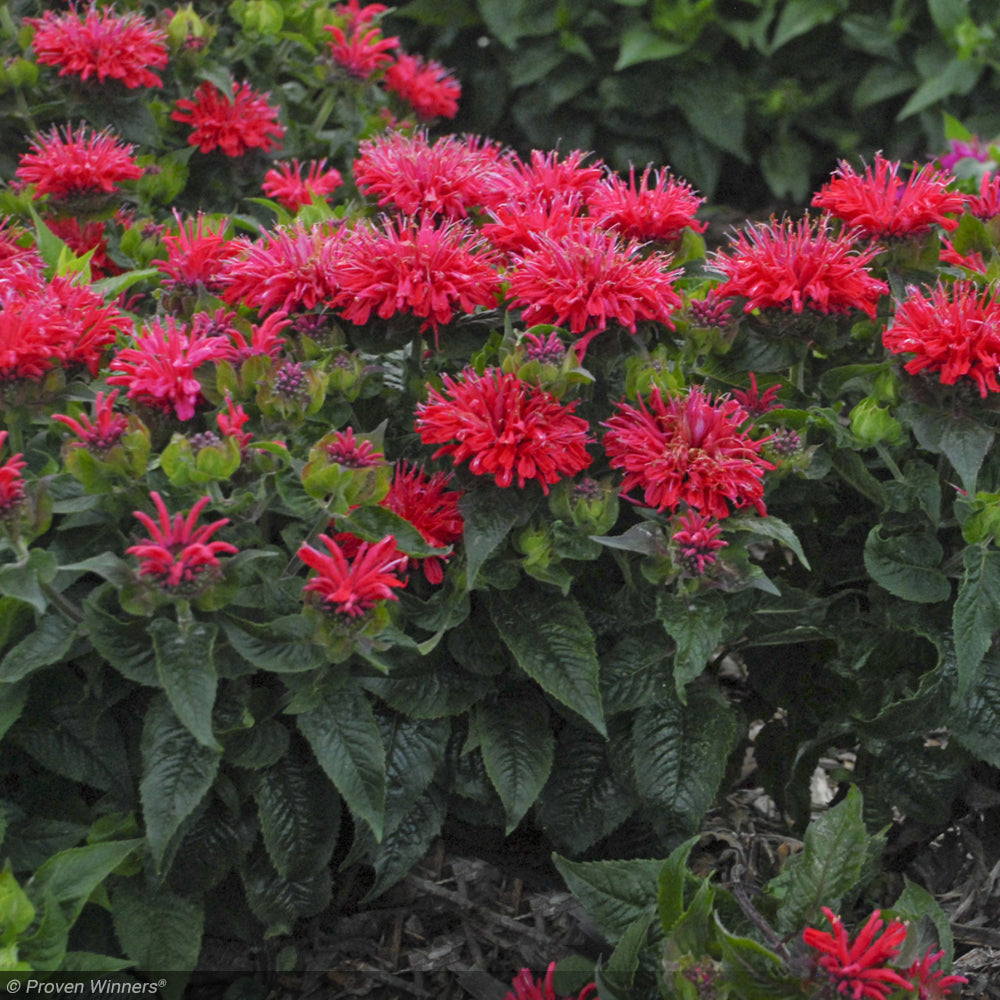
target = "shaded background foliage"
x: 751, y: 100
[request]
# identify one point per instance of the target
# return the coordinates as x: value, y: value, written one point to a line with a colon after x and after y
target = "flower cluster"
x: 526, y: 987
x: 12, y: 489
x: 291, y: 190
x: 234, y: 123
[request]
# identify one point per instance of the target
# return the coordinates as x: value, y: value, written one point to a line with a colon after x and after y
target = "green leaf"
x: 282, y: 646
x: 414, y: 750
x: 670, y: 883
x: 12, y: 701
x: 489, y: 515
x: 636, y: 671
x: 828, y: 866
x: 695, y: 624
x: 158, y: 930
x: 801, y: 16
x: 89, y: 961
x: 46, y: 645
x: 622, y: 965
x: 299, y: 816
x: 963, y: 441
x: 186, y: 668
x: 976, y: 615
x: 958, y: 76
x: 16, y: 911
x: 515, y: 738
x: 24, y: 580
x: 279, y: 902
x: 715, y: 106
x: 907, y: 565
x: 753, y: 970
x: 914, y: 903
x: 553, y: 644
x: 851, y: 467
x: 374, y: 523
x: 679, y: 757
x: 72, y: 875
x: 177, y: 772
x: 428, y: 687
x: 615, y: 894
x: 45, y: 948
x: 261, y: 745
x: 345, y: 738
x: 785, y: 166
x: 640, y: 43
x: 975, y: 722
x: 124, y: 644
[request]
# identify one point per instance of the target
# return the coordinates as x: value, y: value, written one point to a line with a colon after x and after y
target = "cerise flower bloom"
x: 415, y: 267
x: 177, y: 555
x: 688, y: 449
x: 68, y: 165
x: 231, y: 422
x: 351, y: 586
x: 639, y: 211
x: 427, y: 503
x: 756, y: 402
x: 360, y: 48
x: 697, y: 538
x: 86, y: 325
x: 286, y: 185
x: 506, y: 428
x: 547, y: 177
x: 346, y: 450
x: 197, y: 254
x: 931, y: 983
x: 101, y: 44
x: 290, y: 268
x: 426, y: 86
x: 985, y: 205
x: 234, y: 123
x: 858, y: 970
x: 12, y: 494
x: 30, y: 331
x: 444, y: 178
x: 100, y: 437
x: 21, y: 266
x: 160, y: 369
x: 264, y: 339
x: 954, y: 331
x: 589, y: 278
x: 352, y: 15
x: 881, y: 204
x: 526, y: 987
x: 800, y: 265
x: 88, y: 237
x: 516, y: 226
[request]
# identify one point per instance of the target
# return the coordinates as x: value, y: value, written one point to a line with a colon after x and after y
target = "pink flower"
x: 177, y: 555
x: 547, y: 177
x: 425, y: 85
x: 698, y: 540
x: 12, y: 495
x: 518, y: 227
x: 526, y: 987
x: 100, y: 437
x: 160, y: 369
x: 930, y: 983
x: 360, y: 49
x: 85, y: 238
x: 985, y: 205
x: 234, y: 123
x: 961, y: 150
x: 882, y: 205
x: 231, y: 422
x: 858, y: 970
x: 688, y: 449
x: 286, y: 185
x: 800, y: 265
x: 588, y: 279
x: 352, y: 586
x: 103, y: 44
x: 505, y: 428
x: 755, y: 402
x: 197, y: 254
x: 348, y: 451
x: 67, y: 164
x: 264, y: 339
x: 661, y: 212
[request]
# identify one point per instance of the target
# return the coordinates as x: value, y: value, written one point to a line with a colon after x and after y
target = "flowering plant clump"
x: 318, y: 428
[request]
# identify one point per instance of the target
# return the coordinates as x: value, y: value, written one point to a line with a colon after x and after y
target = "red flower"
x: 361, y: 50
x: 526, y: 987
x: 234, y: 123
x: 348, y: 451
x: 12, y: 494
x: 505, y: 428
x: 589, y: 278
x: 352, y: 586
x: 231, y: 422
x: 548, y: 177
x: 688, y: 449
x: 755, y: 402
x: 882, y: 205
x: 21, y: 267
x: 427, y: 503
x: 931, y: 984
x: 516, y: 226
x: 971, y: 262
x: 87, y: 324
x: 125, y: 47
x: 954, y: 331
x: 82, y: 239
x: 415, y: 267
x: 985, y: 205
x: 66, y: 165
x: 197, y: 254
x: 289, y: 269
x: 858, y: 970
x: 100, y: 437
x: 30, y: 329
x: 353, y: 15
x: 426, y: 86
x: 160, y: 369
x: 264, y: 339
x: 698, y: 540
x: 287, y: 187
x: 661, y: 212
x: 800, y: 265
x: 711, y: 311
x: 177, y: 555
x: 446, y: 178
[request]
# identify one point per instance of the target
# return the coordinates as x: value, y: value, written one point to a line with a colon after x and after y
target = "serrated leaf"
x: 299, y: 815
x: 262, y: 745
x: 70, y: 876
x: 679, y: 757
x: 801, y: 16
x: 755, y: 971
x: 640, y: 43
x: 12, y: 701
x: 975, y: 722
x: 907, y: 565
x: 177, y: 772
x: 828, y: 866
x: 345, y: 738
x: 615, y: 894
x: 976, y: 614
x: 282, y: 646
x: 515, y: 738
x: 278, y: 902
x: 158, y: 930
x: 46, y: 645
x: 45, y: 948
x: 25, y: 580
x: 915, y: 902
x: 769, y: 527
x: 414, y: 750
x: 695, y: 624
x: 428, y: 687
x: 554, y: 645
x: 488, y: 519
x: 623, y: 963
x: 670, y: 883
x: 636, y: 671
x: 124, y: 644
x: 186, y: 669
